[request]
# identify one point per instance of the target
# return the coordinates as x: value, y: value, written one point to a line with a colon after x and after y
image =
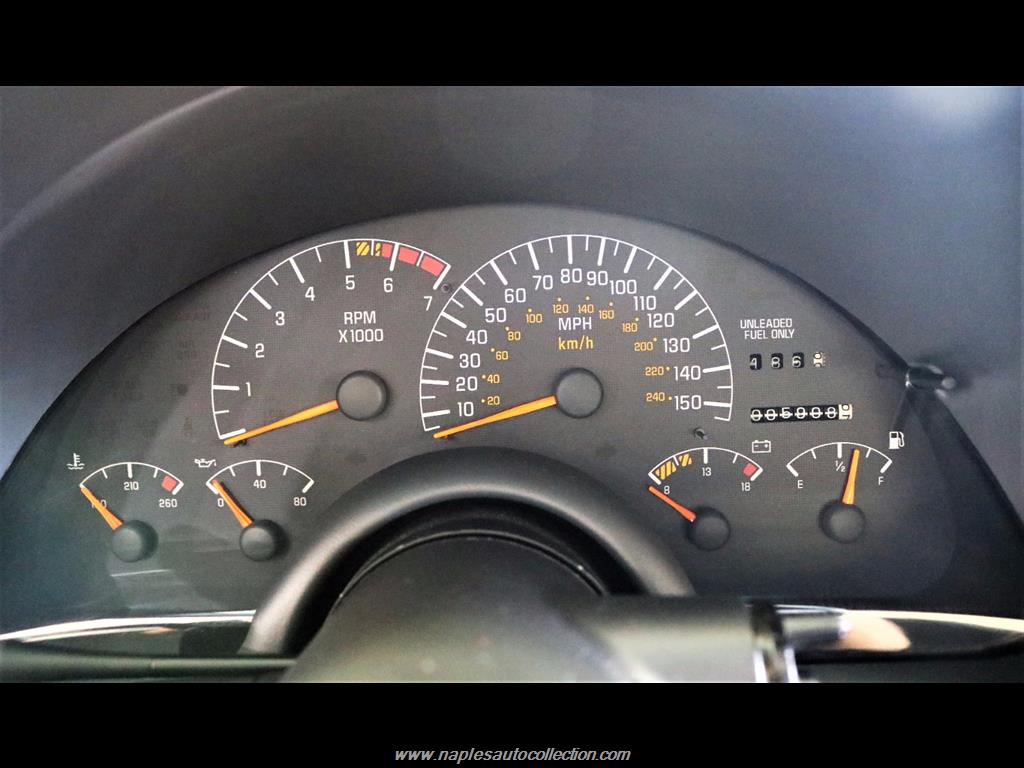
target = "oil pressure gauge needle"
x: 243, y: 519
x: 111, y: 519
x: 851, y: 478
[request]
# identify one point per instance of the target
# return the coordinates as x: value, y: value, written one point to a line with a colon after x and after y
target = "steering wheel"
x: 493, y: 564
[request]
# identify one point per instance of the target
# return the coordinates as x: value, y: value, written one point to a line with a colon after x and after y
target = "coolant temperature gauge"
x: 698, y: 484
x: 134, y: 499
x: 845, y: 478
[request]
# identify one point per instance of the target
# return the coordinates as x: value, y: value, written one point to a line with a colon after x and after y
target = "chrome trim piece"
x: 92, y: 627
x: 810, y: 630
x: 822, y: 630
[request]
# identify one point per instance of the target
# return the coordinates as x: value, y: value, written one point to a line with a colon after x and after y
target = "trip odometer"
x: 559, y: 322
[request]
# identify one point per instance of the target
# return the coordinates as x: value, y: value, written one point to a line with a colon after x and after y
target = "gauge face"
x: 134, y: 500
x: 261, y: 496
x: 510, y: 332
x: 701, y: 485
x: 313, y: 319
x: 844, y: 481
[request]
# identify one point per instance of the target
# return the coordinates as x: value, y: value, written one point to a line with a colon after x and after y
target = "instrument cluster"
x: 776, y: 445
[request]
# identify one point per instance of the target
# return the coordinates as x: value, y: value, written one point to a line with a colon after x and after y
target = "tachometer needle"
x: 851, y: 478
x: 687, y: 513
x: 295, y: 418
x: 243, y: 519
x: 509, y: 413
x: 111, y: 519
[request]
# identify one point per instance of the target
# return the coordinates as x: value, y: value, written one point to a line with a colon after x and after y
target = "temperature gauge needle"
x: 687, y: 513
x: 111, y: 519
x: 851, y: 478
x: 243, y: 519
x: 509, y: 413
x: 296, y: 418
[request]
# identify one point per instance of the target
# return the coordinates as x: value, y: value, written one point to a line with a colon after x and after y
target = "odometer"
x: 625, y: 315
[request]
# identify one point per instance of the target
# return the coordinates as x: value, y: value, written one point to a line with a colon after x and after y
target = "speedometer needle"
x: 303, y: 415
x: 851, y: 478
x: 243, y: 519
x: 509, y: 413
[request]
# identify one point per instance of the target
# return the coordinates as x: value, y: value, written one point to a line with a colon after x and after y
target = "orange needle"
x: 851, y: 477
x: 112, y: 520
x: 243, y: 519
x: 688, y: 514
x: 287, y: 421
x: 509, y: 413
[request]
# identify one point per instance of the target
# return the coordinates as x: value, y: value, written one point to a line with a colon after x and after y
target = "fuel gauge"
x: 846, y: 478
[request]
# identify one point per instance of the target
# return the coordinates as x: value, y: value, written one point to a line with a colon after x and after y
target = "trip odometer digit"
x: 558, y: 321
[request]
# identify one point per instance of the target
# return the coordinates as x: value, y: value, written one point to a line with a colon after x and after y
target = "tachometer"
x: 302, y: 340
x: 555, y: 322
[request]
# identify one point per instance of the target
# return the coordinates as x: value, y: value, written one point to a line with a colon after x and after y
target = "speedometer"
x: 556, y: 322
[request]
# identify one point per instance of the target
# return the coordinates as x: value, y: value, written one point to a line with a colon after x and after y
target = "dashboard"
x: 757, y: 440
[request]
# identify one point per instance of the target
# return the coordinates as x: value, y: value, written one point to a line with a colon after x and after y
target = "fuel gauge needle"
x: 296, y: 418
x: 243, y: 519
x: 111, y: 519
x: 687, y: 513
x: 851, y: 478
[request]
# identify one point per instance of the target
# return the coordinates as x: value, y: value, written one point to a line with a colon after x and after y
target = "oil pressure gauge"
x: 261, y: 495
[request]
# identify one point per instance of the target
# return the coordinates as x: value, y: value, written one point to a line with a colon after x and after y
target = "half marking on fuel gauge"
x: 836, y: 451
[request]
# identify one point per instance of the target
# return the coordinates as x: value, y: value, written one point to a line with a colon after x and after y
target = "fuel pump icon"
x: 895, y: 441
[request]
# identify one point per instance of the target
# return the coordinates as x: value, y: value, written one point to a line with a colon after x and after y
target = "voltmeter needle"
x: 687, y: 513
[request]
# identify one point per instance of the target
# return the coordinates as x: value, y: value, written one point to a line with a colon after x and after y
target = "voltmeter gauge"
x: 700, y: 485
